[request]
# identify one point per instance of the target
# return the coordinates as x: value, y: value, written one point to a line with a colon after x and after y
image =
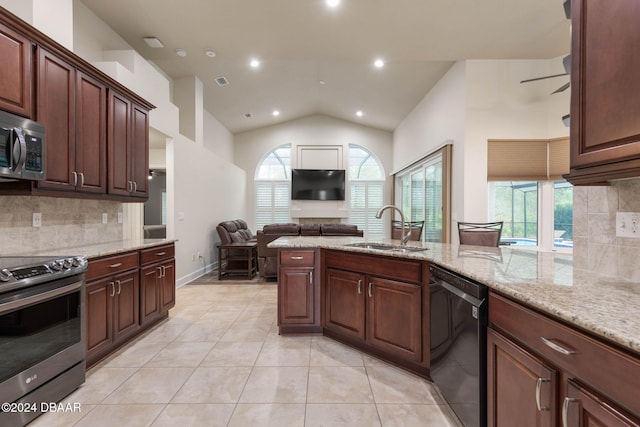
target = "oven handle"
x: 43, y: 296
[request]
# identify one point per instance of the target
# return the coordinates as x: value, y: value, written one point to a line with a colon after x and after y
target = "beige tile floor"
x: 219, y: 361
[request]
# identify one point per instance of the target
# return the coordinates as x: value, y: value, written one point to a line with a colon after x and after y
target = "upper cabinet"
x: 605, y: 107
x: 15, y: 73
x: 128, y: 151
x: 96, y: 130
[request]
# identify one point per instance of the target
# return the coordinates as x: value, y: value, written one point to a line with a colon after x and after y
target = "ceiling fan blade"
x: 562, y: 88
x: 542, y: 78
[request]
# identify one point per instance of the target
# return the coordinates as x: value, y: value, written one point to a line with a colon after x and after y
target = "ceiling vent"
x: 222, y: 81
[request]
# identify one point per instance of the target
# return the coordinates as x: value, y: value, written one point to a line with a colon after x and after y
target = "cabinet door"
x: 394, y: 317
x: 150, y: 293
x: 140, y: 151
x: 119, y: 137
x: 127, y: 305
x: 296, y: 296
x: 521, y: 389
x: 56, y: 110
x: 15, y: 73
x: 91, y: 135
x: 168, y: 291
x: 604, y: 83
x: 345, y: 303
x: 99, y: 312
x: 583, y: 408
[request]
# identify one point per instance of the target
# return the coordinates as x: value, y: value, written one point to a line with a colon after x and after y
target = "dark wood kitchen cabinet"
x: 605, y: 130
x: 16, y: 74
x: 112, y: 303
x: 376, y: 303
x: 541, y: 372
x: 298, y: 291
x: 128, y: 147
x: 157, y: 283
x: 72, y: 107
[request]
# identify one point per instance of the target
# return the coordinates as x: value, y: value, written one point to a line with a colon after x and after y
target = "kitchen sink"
x: 387, y: 247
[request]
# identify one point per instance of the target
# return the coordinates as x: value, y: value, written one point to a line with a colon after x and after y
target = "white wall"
x: 475, y: 101
x: 250, y: 147
x: 217, y: 138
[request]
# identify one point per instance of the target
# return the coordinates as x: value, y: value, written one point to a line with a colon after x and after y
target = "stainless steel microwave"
x: 22, y: 150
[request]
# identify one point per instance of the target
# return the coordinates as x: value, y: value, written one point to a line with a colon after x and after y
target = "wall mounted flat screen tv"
x: 317, y: 184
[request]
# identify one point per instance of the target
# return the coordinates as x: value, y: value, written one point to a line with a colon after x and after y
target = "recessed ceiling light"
x: 359, y: 113
x: 276, y: 113
x: 153, y: 42
x: 254, y: 63
x: 378, y: 63
x: 332, y: 3
x: 181, y: 53
x: 210, y: 53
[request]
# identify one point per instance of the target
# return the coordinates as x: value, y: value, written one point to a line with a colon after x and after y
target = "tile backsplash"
x: 65, y: 222
x: 596, y: 247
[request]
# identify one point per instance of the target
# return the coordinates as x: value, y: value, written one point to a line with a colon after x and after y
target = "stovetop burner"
x: 17, y: 272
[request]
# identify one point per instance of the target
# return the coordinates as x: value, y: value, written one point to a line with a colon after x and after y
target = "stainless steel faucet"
x: 404, y: 237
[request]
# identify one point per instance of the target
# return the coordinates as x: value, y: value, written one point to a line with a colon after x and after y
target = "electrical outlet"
x: 120, y: 218
x: 105, y: 218
x: 193, y: 257
x: 628, y: 224
x: 37, y: 219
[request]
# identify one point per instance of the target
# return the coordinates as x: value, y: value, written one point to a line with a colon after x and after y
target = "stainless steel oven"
x: 42, y: 347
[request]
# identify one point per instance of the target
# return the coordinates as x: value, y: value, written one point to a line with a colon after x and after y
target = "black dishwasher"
x: 459, y: 344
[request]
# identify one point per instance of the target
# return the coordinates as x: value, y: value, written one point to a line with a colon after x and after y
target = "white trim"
x: 422, y: 157
x: 185, y: 280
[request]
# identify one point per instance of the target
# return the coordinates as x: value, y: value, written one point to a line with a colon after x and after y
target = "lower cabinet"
x: 112, y: 303
x: 543, y: 373
x: 126, y: 293
x: 384, y: 313
x: 298, y: 302
x: 378, y: 313
x: 157, y: 285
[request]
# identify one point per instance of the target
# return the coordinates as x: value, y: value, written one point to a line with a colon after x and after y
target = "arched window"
x: 272, y: 183
x: 366, y: 190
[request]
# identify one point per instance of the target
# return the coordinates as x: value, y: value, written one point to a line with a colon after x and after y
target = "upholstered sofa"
x: 268, y: 257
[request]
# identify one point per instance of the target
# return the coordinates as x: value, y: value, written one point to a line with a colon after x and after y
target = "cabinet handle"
x: 359, y: 286
x: 161, y: 253
x: 113, y: 289
x: 135, y: 186
x: 164, y: 270
x: 370, y: 290
x: 557, y: 347
x: 311, y: 277
x: 565, y: 410
x: 160, y: 272
x: 119, y: 283
x: 538, y: 387
x: 116, y: 265
x: 297, y: 258
x: 75, y: 178
x: 81, y: 179
x: 130, y: 186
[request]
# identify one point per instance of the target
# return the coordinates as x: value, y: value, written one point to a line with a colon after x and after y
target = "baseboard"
x: 185, y: 280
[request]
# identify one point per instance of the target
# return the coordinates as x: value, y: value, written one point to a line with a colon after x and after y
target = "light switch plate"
x: 628, y: 224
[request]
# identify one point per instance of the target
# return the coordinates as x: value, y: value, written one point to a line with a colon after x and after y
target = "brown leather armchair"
x: 268, y: 257
x: 231, y: 232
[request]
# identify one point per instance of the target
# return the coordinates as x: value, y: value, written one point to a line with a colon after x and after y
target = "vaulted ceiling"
x: 318, y: 59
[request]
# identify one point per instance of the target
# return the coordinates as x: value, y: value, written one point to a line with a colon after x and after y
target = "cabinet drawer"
x: 111, y: 265
x: 157, y: 253
x: 297, y: 257
x: 399, y: 269
x: 603, y: 367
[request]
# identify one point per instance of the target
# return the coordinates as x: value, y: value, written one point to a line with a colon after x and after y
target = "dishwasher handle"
x: 476, y: 302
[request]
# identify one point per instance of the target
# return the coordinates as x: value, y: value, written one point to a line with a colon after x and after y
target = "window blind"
x: 527, y: 159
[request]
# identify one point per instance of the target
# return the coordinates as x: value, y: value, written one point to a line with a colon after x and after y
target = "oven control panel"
x: 38, y: 269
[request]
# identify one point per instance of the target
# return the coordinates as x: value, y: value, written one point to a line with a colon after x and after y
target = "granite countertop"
x: 603, y: 305
x: 103, y: 249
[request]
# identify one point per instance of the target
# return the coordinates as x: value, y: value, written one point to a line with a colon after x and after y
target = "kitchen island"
x: 562, y: 342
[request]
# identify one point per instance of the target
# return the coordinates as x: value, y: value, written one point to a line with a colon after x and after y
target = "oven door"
x: 41, y: 335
